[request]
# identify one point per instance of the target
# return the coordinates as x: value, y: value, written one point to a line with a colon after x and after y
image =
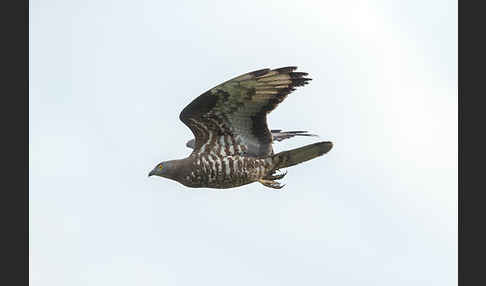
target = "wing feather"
x: 234, y: 112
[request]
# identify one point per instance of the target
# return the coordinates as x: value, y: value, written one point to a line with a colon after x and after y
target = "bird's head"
x: 164, y: 169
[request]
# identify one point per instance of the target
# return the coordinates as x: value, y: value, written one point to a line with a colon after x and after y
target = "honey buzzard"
x: 233, y: 145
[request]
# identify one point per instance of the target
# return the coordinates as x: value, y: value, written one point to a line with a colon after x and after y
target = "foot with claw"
x: 271, y: 184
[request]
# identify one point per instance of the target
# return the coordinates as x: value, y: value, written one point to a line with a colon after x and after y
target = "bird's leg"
x: 275, y: 177
x: 271, y: 184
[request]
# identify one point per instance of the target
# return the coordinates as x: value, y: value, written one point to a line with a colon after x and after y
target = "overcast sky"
x: 108, y: 80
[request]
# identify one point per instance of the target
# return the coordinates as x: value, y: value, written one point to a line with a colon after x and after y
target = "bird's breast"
x: 213, y: 171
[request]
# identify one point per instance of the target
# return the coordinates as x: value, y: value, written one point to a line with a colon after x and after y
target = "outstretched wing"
x: 277, y: 135
x: 231, y: 117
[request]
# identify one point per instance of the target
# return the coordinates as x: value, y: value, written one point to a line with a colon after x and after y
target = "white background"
x: 108, y: 80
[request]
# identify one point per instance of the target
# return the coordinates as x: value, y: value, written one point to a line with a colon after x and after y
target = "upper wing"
x: 231, y: 117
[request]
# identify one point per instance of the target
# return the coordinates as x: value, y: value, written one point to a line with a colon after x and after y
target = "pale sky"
x: 108, y: 80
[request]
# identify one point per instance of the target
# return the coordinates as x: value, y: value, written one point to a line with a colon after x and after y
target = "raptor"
x: 232, y: 144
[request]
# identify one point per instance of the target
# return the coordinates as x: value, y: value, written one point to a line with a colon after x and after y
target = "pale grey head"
x: 165, y: 169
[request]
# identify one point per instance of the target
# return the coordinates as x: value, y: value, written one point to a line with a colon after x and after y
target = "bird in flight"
x: 232, y: 144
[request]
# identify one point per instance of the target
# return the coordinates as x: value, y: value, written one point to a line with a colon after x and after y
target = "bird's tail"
x: 296, y: 156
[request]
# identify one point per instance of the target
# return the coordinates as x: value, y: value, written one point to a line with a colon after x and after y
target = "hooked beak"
x: 151, y: 173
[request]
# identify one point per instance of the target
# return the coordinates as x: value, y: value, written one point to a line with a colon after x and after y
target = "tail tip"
x: 327, y: 146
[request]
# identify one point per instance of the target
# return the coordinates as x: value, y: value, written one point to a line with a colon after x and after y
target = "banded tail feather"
x: 296, y: 156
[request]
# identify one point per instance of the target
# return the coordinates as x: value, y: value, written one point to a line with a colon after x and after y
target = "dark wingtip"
x: 297, y: 131
x: 298, y: 74
x: 288, y: 69
x: 302, y: 133
x: 259, y: 72
x: 300, y: 81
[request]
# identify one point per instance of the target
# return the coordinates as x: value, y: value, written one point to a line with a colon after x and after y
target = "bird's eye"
x: 160, y: 166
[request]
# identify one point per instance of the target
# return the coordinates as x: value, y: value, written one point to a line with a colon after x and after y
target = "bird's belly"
x: 225, y: 172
